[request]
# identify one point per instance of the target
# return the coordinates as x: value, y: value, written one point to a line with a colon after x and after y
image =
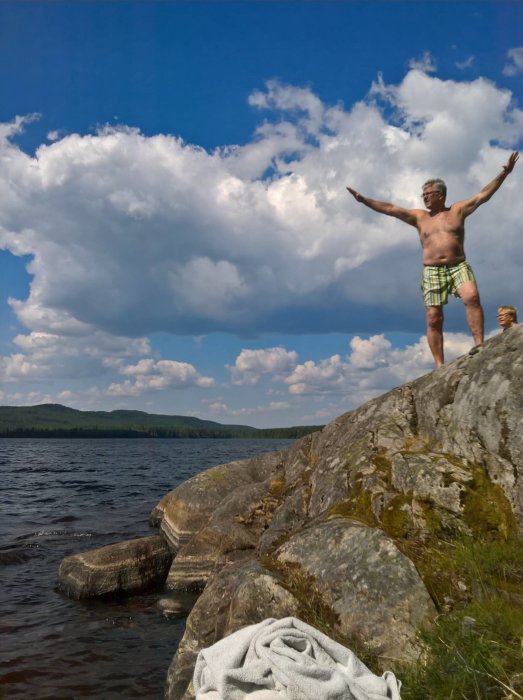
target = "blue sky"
x: 175, y: 233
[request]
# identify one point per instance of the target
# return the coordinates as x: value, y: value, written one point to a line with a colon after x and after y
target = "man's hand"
x: 357, y: 196
x: 509, y: 167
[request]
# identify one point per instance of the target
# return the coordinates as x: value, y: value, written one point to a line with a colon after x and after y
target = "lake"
x: 60, y: 497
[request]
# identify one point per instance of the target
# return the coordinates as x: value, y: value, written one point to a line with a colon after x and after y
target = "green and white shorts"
x: 439, y: 280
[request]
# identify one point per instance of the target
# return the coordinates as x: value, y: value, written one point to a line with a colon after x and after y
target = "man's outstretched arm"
x: 406, y: 215
x: 467, y: 206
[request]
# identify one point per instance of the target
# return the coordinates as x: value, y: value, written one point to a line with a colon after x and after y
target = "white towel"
x: 286, y: 659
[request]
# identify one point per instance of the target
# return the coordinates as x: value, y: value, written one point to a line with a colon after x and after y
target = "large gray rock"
x: 473, y: 409
x: 125, y: 567
x: 438, y: 456
x: 445, y: 450
x: 374, y: 589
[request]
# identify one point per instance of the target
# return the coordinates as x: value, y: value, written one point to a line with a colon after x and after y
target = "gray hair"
x: 438, y: 184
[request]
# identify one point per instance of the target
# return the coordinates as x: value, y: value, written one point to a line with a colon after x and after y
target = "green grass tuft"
x: 475, y: 649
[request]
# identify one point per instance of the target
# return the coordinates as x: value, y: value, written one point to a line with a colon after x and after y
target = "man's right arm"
x: 409, y: 216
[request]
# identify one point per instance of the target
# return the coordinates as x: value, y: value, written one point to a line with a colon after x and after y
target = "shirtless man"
x: 441, y: 231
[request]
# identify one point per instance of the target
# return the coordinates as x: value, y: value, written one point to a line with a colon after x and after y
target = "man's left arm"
x: 468, y: 206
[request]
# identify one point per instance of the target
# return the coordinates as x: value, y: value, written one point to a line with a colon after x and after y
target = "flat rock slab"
x: 125, y: 567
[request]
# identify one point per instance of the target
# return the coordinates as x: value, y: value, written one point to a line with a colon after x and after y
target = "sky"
x: 175, y: 231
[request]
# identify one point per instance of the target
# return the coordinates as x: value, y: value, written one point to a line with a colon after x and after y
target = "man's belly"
x: 442, y: 250
x: 443, y: 260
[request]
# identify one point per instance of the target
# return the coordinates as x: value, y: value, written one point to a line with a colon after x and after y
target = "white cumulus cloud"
x: 251, y: 365
x: 372, y: 367
x: 131, y: 235
x: 42, y: 355
x: 149, y: 375
x: 134, y: 234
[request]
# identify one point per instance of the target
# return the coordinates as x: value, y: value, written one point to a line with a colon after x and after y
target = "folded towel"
x: 286, y: 659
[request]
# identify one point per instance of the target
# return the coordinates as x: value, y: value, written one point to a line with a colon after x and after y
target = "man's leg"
x: 469, y: 294
x: 435, y: 332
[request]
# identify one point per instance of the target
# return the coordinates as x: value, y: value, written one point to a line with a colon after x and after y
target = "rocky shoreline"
x: 334, y: 529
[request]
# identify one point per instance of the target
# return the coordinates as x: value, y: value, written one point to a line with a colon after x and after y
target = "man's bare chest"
x: 446, y: 224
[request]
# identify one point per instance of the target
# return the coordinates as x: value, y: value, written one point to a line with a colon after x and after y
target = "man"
x: 442, y: 232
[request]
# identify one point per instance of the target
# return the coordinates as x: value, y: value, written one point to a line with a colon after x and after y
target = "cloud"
x: 291, y: 99
x: 131, y: 235
x: 425, y: 63
x: 328, y: 386
x: 50, y: 357
x: 42, y: 356
x: 10, y: 129
x: 54, y: 135
x: 372, y: 367
x: 31, y: 398
x: 514, y: 65
x: 251, y: 365
x: 273, y: 406
x: 149, y: 375
x: 467, y: 63
x: 368, y: 354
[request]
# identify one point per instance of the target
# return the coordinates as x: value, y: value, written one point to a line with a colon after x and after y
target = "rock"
x: 170, y: 607
x: 242, y: 594
x: 419, y: 454
x: 373, y: 588
x: 231, y: 534
x: 176, y: 606
x: 439, y: 456
x: 184, y: 510
x: 468, y: 625
x: 125, y: 567
x: 472, y: 409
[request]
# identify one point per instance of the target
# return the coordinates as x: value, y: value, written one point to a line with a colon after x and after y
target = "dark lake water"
x: 60, y: 497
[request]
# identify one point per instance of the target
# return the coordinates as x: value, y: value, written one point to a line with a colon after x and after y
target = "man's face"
x: 432, y: 197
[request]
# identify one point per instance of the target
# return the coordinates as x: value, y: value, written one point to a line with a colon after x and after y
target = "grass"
x: 475, y: 649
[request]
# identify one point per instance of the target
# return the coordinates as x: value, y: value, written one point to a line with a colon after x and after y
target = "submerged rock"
x: 176, y: 605
x: 125, y: 567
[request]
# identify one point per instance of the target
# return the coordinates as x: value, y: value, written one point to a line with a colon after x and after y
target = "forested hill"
x: 54, y: 420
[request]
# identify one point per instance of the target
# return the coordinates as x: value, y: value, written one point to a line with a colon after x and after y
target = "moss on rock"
x: 486, y: 509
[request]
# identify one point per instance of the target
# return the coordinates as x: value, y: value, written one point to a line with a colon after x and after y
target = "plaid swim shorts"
x: 439, y: 280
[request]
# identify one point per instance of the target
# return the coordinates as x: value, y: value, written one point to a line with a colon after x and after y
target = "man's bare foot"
x: 475, y: 349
